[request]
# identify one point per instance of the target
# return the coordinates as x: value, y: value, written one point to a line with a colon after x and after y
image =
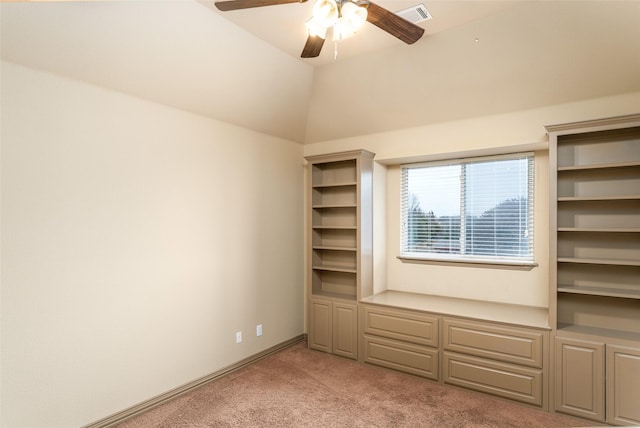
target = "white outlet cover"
x: 239, y: 337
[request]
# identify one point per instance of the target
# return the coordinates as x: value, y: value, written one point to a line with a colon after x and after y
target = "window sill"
x: 489, y: 263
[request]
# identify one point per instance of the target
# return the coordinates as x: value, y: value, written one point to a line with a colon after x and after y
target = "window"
x: 469, y: 210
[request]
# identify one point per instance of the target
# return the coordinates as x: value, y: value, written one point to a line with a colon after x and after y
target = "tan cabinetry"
x: 500, y: 360
x: 333, y: 327
x: 595, y: 266
x: 320, y: 326
x: 598, y: 381
x: 436, y: 338
x: 402, y: 340
x: 595, y: 218
x: 339, y: 248
x: 623, y: 385
x: 509, y: 344
x: 579, y: 378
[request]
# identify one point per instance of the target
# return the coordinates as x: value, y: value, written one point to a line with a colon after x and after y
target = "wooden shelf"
x: 598, y: 198
x: 343, y: 184
x: 600, y: 229
x: 334, y: 248
x: 338, y: 238
x: 331, y: 295
x: 335, y: 227
x: 599, y: 166
x: 332, y: 206
x: 336, y: 268
x: 600, y: 291
x: 613, y: 262
x: 574, y: 329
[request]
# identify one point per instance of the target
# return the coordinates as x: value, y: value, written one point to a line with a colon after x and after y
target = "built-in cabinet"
x: 340, y: 248
x: 334, y: 327
x: 496, y: 348
x: 597, y: 381
x: 401, y: 339
x: 623, y: 385
x: 595, y: 268
x: 507, y: 361
x: 579, y: 378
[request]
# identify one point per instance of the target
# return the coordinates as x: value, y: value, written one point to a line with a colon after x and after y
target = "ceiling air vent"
x: 415, y: 14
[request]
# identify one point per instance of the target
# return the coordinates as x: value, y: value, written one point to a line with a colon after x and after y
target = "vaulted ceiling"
x: 283, y: 25
x: 501, y: 56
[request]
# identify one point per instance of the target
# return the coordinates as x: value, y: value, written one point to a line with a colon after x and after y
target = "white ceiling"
x: 283, y: 26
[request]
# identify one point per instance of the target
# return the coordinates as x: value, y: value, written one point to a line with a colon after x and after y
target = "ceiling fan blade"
x: 246, y: 4
x: 313, y: 47
x: 388, y: 21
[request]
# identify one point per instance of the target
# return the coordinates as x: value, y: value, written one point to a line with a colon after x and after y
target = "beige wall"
x: 483, y: 134
x: 136, y: 240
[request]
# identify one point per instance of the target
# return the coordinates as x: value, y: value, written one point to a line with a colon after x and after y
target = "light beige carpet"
x: 301, y: 388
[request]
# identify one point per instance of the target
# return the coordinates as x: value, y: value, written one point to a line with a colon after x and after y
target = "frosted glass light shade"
x: 341, y: 30
x: 351, y: 19
x: 315, y: 28
x: 354, y: 14
x: 325, y: 12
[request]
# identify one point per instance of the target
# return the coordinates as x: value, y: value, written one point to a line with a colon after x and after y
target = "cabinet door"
x: 320, y: 324
x: 345, y: 330
x: 623, y: 385
x: 579, y: 378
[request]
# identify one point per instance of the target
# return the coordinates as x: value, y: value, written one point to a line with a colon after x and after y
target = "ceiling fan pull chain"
x: 335, y: 51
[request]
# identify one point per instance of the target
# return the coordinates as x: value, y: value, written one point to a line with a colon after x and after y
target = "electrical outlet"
x: 259, y: 330
x: 238, y: 337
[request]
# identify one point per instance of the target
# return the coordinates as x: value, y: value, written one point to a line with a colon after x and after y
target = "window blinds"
x: 474, y: 208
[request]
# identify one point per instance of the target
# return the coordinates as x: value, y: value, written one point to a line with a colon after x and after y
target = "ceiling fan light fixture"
x: 325, y: 12
x: 315, y: 28
x: 342, y: 30
x: 351, y: 19
x: 354, y: 14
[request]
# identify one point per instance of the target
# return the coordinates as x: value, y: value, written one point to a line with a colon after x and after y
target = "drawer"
x: 508, y: 344
x: 505, y: 380
x: 402, y: 325
x: 406, y: 357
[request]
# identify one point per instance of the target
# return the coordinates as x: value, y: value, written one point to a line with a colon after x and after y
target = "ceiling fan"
x: 343, y: 16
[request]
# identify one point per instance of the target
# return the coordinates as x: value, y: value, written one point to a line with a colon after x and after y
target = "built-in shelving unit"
x: 596, y: 186
x: 340, y: 265
x: 595, y: 267
x: 335, y: 229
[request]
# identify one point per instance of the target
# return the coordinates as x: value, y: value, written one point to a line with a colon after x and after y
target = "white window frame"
x: 527, y: 261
